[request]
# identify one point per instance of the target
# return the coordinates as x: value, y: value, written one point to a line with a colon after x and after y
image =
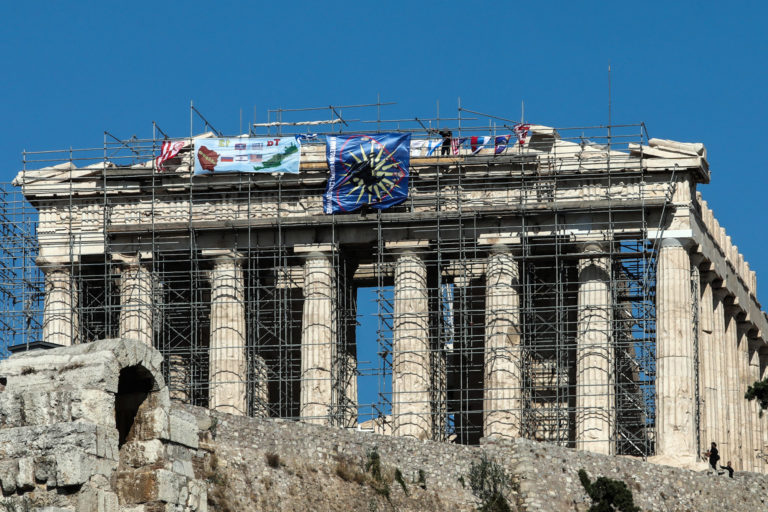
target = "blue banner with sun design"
x: 366, y: 170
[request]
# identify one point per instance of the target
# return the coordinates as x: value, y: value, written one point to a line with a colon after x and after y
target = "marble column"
x: 227, y: 357
x: 61, y: 323
x: 709, y: 409
x: 411, y: 408
x: 723, y: 435
x: 503, y: 375
x: 351, y: 391
x: 763, y: 358
x: 595, y: 407
x: 675, y: 377
x: 748, y: 454
x: 179, y: 381
x: 136, y: 299
x: 758, y: 464
x: 732, y: 385
x: 318, y: 339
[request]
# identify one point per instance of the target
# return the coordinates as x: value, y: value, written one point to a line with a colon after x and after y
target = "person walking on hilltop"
x: 727, y: 468
x: 713, y: 456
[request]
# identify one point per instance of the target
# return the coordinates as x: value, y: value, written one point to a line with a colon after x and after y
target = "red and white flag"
x: 521, y: 132
x: 455, y: 144
x: 169, y: 150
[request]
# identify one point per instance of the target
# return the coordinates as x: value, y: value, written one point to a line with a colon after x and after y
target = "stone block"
x: 142, y: 486
x: 142, y: 453
x: 8, y: 471
x: 70, y: 468
x: 171, y: 488
x: 25, y: 478
x: 184, y: 468
x: 183, y: 429
x: 136, y: 486
x: 45, y: 470
x: 75, y: 467
x: 94, y: 406
x: 150, y: 423
x: 198, y: 496
x: 46, y: 439
x: 92, y: 499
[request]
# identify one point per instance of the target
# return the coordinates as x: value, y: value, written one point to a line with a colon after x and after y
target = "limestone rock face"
x: 88, y: 428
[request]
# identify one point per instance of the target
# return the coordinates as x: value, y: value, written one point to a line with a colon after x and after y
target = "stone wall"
x: 64, y: 448
x: 89, y: 428
x: 312, y: 461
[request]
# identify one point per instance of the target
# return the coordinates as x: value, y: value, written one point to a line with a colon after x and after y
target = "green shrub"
x: 758, y: 391
x: 608, y: 494
x: 488, y: 482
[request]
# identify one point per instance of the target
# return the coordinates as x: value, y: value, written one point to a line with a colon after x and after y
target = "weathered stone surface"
x: 312, y: 457
x: 411, y: 411
x: 142, y: 453
x: 59, y: 437
x: 318, y: 339
x: 227, y: 369
x: 502, y: 371
x: 182, y: 428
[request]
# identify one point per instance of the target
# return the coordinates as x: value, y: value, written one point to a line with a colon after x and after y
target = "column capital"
x: 315, y: 251
x: 222, y: 256
x: 132, y: 259
x: 589, y: 247
x: 493, y: 240
x: 48, y: 264
x: 404, y: 247
x: 686, y: 243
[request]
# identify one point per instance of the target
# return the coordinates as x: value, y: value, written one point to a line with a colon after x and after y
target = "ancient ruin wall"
x: 264, y: 464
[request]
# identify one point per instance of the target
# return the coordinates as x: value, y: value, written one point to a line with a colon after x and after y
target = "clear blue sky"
x: 692, y: 71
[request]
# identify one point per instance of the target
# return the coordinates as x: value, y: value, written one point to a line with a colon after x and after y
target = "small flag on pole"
x: 169, y: 150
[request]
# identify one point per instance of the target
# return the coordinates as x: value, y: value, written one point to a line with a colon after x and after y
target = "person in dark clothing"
x: 713, y: 456
x: 447, y: 135
x: 727, y: 468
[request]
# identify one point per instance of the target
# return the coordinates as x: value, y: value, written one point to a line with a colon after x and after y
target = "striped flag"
x: 477, y: 143
x: 500, y: 144
x: 455, y: 144
x: 169, y: 150
x: 521, y: 132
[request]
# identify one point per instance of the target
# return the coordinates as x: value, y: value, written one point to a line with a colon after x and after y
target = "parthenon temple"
x: 569, y: 288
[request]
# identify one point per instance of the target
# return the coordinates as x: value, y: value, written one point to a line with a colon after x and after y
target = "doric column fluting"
x: 675, y: 377
x: 502, y: 375
x: 60, y: 317
x: 748, y: 454
x: 595, y: 409
x: 227, y: 356
x: 137, y: 290
x: 732, y: 386
x: 350, y: 416
x: 758, y: 463
x: 723, y: 434
x: 709, y: 410
x: 318, y: 339
x: 179, y: 378
x: 411, y: 409
x: 763, y: 372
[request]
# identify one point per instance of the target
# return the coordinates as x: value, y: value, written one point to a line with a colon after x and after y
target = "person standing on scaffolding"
x: 447, y: 136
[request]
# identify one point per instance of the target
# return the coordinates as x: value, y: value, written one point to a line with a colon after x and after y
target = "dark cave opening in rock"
x: 134, y: 385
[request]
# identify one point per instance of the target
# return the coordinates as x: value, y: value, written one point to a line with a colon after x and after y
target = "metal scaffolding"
x: 363, y: 274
